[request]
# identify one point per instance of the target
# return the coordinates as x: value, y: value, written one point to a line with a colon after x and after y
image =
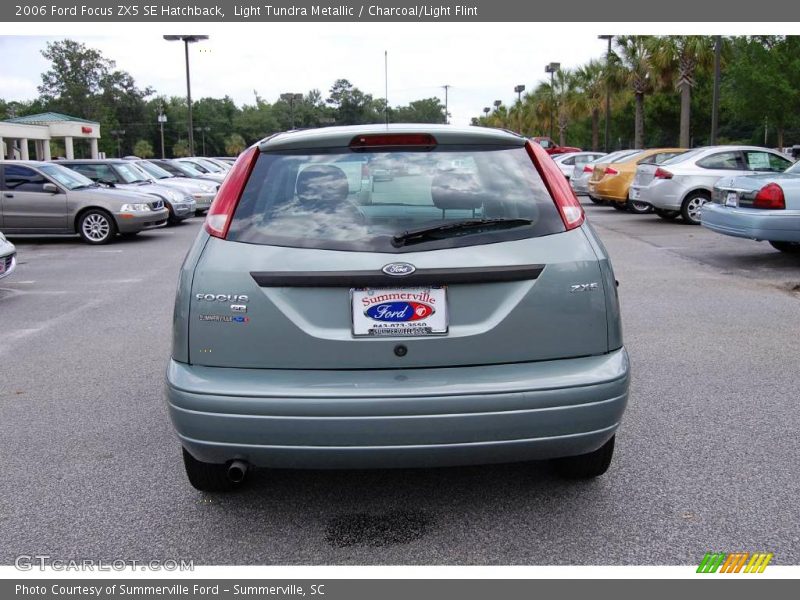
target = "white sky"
x: 482, y: 62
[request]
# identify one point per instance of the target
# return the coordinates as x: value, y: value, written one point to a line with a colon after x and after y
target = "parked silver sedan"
x: 45, y: 198
x: 570, y: 161
x: 762, y: 207
x: 120, y: 173
x: 8, y: 256
x: 203, y: 191
x: 682, y: 185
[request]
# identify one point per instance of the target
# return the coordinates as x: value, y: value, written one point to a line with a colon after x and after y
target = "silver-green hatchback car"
x: 459, y: 312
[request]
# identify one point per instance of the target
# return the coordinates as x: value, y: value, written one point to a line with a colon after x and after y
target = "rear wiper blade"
x: 413, y: 236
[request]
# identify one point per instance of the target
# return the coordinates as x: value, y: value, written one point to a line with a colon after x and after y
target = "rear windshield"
x: 362, y: 201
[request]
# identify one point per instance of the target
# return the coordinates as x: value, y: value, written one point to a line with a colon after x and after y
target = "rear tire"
x: 207, y: 477
x: 596, y: 200
x: 788, y: 247
x: 692, y: 207
x: 586, y: 466
x: 639, y: 208
x: 667, y: 215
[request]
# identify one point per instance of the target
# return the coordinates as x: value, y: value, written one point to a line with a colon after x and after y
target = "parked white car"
x: 683, y: 184
x: 567, y: 162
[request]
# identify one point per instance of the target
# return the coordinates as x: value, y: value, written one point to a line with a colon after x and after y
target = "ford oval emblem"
x: 399, y: 269
x: 399, y: 312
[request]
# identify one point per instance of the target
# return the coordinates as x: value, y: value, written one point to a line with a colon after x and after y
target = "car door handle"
x: 7, y: 195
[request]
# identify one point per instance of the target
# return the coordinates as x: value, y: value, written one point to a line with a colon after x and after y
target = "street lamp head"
x: 486, y: 109
x: 497, y: 103
x: 552, y: 67
x: 519, y: 89
x: 605, y: 37
x: 189, y: 39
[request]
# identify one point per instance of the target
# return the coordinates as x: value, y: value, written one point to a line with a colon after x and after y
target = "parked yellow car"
x: 610, y: 181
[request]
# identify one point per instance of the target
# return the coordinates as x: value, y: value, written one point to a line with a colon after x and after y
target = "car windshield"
x: 689, y: 154
x: 625, y: 157
x: 340, y: 199
x: 72, y: 180
x: 210, y: 166
x: 795, y: 168
x: 154, y: 170
x: 129, y: 173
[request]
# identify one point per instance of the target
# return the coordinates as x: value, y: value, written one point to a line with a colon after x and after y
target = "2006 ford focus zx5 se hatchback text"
x: 456, y: 310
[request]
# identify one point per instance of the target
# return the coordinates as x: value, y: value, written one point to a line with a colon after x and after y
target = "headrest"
x: 322, y: 185
x: 457, y: 190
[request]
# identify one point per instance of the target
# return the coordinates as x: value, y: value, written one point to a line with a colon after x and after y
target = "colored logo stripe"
x: 734, y: 562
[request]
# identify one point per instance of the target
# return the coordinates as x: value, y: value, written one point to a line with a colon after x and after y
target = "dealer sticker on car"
x: 732, y: 199
x: 399, y: 311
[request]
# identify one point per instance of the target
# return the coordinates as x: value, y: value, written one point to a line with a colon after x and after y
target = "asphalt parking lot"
x: 707, y: 458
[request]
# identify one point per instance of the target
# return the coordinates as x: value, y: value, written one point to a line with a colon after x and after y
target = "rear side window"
x: 722, y: 160
x: 347, y: 200
x: 766, y: 161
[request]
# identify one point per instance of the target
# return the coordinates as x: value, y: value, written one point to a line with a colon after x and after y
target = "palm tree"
x: 590, y: 81
x: 565, y: 97
x: 677, y: 57
x: 633, y: 57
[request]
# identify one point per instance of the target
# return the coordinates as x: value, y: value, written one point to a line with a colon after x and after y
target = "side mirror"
x: 50, y: 188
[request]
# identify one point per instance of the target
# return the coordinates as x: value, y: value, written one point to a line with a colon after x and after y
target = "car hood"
x: 190, y: 186
x: 6, y: 247
x: 120, y: 193
x: 151, y: 189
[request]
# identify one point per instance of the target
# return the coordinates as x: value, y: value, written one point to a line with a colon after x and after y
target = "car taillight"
x: 220, y: 214
x: 662, y: 174
x: 588, y: 169
x: 560, y: 190
x: 610, y: 171
x: 770, y: 197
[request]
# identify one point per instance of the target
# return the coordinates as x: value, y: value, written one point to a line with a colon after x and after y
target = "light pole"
x: 497, y: 104
x: 715, y: 101
x: 519, y: 89
x: 188, y: 39
x: 291, y: 98
x: 446, y: 116
x: 552, y: 68
x: 486, y: 110
x: 202, y: 131
x: 608, y: 88
x: 118, y: 133
x: 162, y: 118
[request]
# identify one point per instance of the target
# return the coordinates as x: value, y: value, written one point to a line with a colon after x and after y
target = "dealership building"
x: 29, y: 137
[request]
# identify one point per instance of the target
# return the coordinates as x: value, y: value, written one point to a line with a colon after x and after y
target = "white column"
x: 46, y: 148
x: 37, y: 148
x: 23, y: 144
x: 2, y: 149
x: 70, y: 152
x: 93, y: 147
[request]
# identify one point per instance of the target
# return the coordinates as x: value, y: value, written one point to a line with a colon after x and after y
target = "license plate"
x: 399, y: 312
x: 732, y: 199
x: 633, y: 194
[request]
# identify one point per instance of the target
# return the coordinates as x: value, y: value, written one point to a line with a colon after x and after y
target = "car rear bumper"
x: 398, y: 418
x: 753, y: 223
x: 133, y: 222
x: 579, y: 185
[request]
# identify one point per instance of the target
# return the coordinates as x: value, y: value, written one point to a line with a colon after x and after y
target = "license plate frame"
x: 399, y: 312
